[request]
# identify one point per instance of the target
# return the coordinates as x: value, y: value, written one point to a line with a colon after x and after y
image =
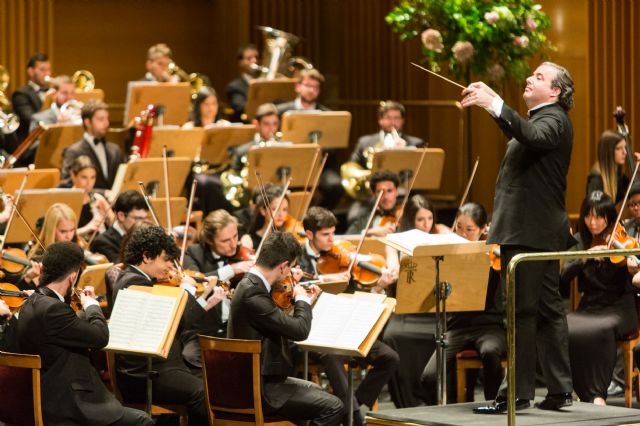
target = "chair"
x: 231, y: 372
x: 156, y: 409
x: 468, y: 360
x: 626, y: 345
x: 20, y: 389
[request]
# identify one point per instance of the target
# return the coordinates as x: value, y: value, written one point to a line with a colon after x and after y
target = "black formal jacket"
x: 72, y: 391
x: 369, y: 141
x: 26, y: 102
x: 136, y: 366
x: 108, y: 243
x: 236, y: 92
x: 199, y: 258
x: 114, y: 159
x: 255, y: 316
x: 529, y: 203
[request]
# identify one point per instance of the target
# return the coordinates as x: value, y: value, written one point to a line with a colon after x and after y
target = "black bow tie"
x: 97, y: 141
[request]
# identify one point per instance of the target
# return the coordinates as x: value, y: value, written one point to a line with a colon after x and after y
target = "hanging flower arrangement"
x: 490, y: 40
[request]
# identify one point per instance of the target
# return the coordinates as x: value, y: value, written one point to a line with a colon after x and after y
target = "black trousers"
x: 491, y: 343
x: 133, y: 417
x: 541, y: 325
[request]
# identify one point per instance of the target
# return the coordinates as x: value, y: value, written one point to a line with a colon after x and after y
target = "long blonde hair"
x: 56, y: 213
x: 606, y: 164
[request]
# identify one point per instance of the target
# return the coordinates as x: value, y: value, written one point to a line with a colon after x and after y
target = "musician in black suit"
x: 27, y: 100
x: 255, y: 316
x: 391, y: 115
x: 215, y: 254
x: 529, y: 216
x: 149, y: 255
x: 72, y: 391
x: 238, y: 89
x: 387, y: 182
x: 130, y: 207
x: 106, y: 156
x: 266, y: 122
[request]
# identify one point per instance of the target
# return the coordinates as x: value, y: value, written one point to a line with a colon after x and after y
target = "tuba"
x: 196, y: 80
x: 276, y: 58
x: 83, y: 80
x: 5, y: 103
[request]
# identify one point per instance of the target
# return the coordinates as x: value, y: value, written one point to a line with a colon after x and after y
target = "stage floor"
x: 579, y: 414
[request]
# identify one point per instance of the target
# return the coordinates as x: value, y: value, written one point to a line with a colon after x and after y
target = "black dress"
x: 606, y: 313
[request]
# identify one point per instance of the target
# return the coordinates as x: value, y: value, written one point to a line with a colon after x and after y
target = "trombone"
x: 195, y: 79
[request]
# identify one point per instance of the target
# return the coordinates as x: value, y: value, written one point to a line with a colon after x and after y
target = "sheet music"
x: 140, y: 321
x: 341, y: 321
x: 413, y: 238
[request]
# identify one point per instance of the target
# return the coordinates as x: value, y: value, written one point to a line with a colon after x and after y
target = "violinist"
x: 5, y: 330
x: 266, y: 122
x: 482, y: 331
x: 319, y: 225
x: 606, y: 312
x: 632, y: 225
x: 129, y: 208
x: 94, y: 206
x: 260, y: 220
x: 255, y: 315
x: 149, y: 255
x: 72, y: 391
x: 385, y: 218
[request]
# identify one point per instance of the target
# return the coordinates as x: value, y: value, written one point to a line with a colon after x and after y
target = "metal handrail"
x: 511, y: 308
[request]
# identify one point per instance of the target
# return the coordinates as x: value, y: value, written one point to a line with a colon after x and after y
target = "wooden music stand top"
x: 178, y: 210
x: 217, y: 141
x: 404, y: 160
x: 174, y: 97
x: 11, y: 179
x: 183, y: 142
x: 263, y: 91
x: 148, y: 170
x: 33, y: 205
x: 53, y: 141
x: 270, y: 160
x: 93, y: 275
x: 328, y: 128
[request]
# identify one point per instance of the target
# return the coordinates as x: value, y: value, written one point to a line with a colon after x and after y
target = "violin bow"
x: 186, y: 227
x: 624, y: 203
x: 94, y: 234
x: 13, y: 211
x: 165, y: 167
x: 306, y: 186
x: 364, y: 233
x: 271, y: 226
x: 307, y: 200
x: 31, y: 231
x: 466, y: 192
x: 406, y: 195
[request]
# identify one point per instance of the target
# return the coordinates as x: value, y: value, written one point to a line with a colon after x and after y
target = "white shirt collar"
x: 298, y: 105
x: 35, y: 86
x: 309, y: 249
x: 257, y: 273
x: 246, y: 77
x: 537, y: 107
x: 57, y: 294
x: 150, y: 77
x: 142, y: 272
x: 119, y: 229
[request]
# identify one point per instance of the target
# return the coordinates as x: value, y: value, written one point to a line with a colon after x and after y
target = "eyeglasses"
x: 634, y: 205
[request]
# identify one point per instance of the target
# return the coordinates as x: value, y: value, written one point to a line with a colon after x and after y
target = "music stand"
x: 178, y: 210
x: 217, y: 141
x: 264, y: 91
x: 330, y: 129
x: 149, y: 171
x: 404, y: 160
x: 11, y: 179
x: 86, y: 95
x: 33, y: 205
x: 93, y: 275
x: 174, y: 97
x: 279, y: 161
x: 182, y: 142
x: 53, y: 141
x: 459, y: 270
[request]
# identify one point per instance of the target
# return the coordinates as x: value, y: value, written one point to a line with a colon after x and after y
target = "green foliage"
x: 490, y: 39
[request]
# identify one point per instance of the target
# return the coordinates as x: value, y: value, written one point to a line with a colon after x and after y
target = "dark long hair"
x: 415, y: 203
x: 202, y: 96
x: 601, y: 205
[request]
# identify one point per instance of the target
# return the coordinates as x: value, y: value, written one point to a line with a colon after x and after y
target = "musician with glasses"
x: 27, y: 100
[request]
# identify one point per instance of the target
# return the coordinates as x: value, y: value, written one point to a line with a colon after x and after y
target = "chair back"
x: 231, y: 372
x: 20, y: 389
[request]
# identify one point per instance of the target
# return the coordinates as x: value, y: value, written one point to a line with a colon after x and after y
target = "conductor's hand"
x: 478, y: 94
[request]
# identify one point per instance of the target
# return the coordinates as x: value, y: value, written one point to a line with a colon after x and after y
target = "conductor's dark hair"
x: 564, y: 82
x: 130, y: 200
x: 278, y: 247
x: 601, y: 205
x: 38, y: 57
x: 383, y: 176
x: 241, y: 50
x: 60, y: 260
x: 318, y: 218
x: 150, y: 242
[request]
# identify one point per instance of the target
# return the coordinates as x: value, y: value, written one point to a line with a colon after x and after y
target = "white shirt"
x: 225, y: 272
x: 101, y: 152
x: 297, y: 103
x: 88, y: 301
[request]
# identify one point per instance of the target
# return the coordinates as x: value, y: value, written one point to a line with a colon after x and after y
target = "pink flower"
x: 521, y: 41
x: 491, y: 17
x: 531, y: 24
x: 432, y: 40
x: 462, y: 51
x: 495, y: 72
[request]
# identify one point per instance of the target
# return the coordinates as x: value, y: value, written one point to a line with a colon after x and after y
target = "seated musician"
x: 72, y: 391
x: 606, y: 312
x: 96, y: 211
x: 237, y: 89
x: 65, y: 91
x: 106, y: 156
x: 255, y: 316
x: 483, y: 331
x: 632, y: 225
x: 27, y: 100
x: 607, y: 174
x: 158, y: 60
x: 149, y: 256
x: 261, y: 219
x: 8, y: 327
x: 129, y: 208
x: 205, y: 111
x: 320, y: 226
x: 391, y: 115
x: 267, y: 123
x: 384, y: 219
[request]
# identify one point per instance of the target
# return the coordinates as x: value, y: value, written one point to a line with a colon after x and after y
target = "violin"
x: 620, y: 240
x: 175, y: 279
x: 13, y: 261
x: 391, y: 218
x: 243, y: 254
x: 12, y: 296
x: 494, y: 257
x: 282, y: 292
x: 366, y: 270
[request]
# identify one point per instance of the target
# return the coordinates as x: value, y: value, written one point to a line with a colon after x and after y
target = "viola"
x: 366, y: 270
x: 12, y: 295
